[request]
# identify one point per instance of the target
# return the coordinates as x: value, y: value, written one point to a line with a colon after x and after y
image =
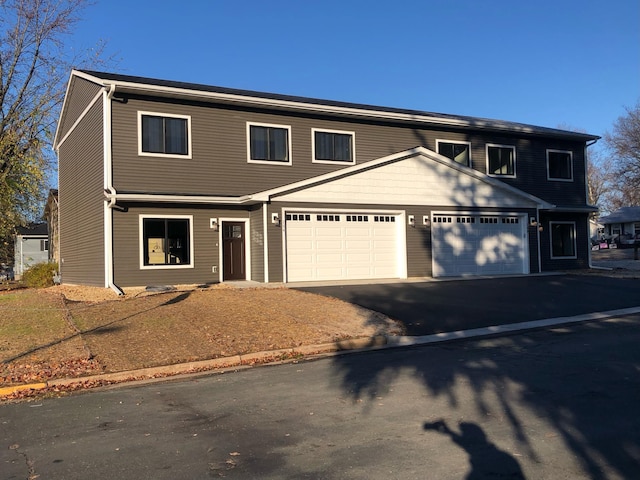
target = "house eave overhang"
x: 317, y: 106
x: 571, y: 209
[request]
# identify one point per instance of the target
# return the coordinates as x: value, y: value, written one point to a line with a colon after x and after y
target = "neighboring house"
x: 31, y: 247
x: 623, y: 225
x: 164, y: 182
x: 51, y: 216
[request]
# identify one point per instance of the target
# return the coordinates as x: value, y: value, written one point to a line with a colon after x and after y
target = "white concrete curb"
x: 508, y: 328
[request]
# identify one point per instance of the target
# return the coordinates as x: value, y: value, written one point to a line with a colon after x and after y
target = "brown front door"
x: 233, y: 261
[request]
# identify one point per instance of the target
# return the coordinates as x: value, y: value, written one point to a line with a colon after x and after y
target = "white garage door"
x: 341, y: 246
x: 478, y: 245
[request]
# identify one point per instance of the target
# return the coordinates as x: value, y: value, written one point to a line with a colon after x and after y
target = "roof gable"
x: 414, y: 177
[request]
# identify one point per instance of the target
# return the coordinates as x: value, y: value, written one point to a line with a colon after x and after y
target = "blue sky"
x: 551, y: 63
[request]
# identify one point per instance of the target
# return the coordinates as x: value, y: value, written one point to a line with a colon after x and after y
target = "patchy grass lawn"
x: 44, y: 334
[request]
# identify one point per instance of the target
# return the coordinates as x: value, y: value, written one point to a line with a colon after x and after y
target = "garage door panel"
x: 351, y: 246
x: 478, y: 245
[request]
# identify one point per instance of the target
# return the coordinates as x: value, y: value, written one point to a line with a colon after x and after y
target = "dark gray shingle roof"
x: 622, y: 215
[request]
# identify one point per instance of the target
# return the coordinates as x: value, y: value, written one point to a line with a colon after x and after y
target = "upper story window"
x: 457, y: 151
x: 330, y: 146
x: 501, y: 160
x: 560, y: 165
x: 164, y: 135
x: 269, y: 143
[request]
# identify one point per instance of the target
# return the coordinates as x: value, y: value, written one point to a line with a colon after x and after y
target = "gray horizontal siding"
x: 81, y: 203
x: 80, y: 94
x: 219, y: 165
x: 257, y: 245
x: 206, y: 246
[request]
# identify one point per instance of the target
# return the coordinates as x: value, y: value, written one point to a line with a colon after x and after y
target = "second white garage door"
x: 479, y: 245
x: 341, y: 246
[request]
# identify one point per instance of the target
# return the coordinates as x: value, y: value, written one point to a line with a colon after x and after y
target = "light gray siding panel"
x: 206, y: 246
x: 81, y: 92
x: 81, y: 201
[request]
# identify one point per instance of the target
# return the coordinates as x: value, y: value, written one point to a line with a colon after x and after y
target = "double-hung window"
x: 164, y: 135
x: 333, y: 146
x: 563, y: 239
x: 501, y: 160
x: 559, y: 165
x: 459, y: 152
x: 269, y: 143
x: 166, y: 241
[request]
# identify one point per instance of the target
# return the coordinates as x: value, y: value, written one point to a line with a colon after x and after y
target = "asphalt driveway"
x: 435, y: 307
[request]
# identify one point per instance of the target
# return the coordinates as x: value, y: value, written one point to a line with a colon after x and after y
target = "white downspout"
x: 265, y: 229
x: 109, y: 190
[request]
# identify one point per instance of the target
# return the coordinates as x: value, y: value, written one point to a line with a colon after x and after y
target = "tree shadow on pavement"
x: 554, y: 381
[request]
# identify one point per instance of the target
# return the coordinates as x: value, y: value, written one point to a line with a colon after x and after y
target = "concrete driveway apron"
x: 432, y: 307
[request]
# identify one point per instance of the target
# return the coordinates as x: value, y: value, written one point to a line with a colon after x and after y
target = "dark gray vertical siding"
x: 81, y: 198
x: 206, y: 246
x: 257, y: 244
x: 81, y: 93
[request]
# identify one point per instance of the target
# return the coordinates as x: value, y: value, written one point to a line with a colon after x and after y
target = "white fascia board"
x: 289, y: 104
x: 143, y: 197
x: 417, y: 117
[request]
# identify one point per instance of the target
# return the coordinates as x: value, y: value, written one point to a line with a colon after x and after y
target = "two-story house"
x: 164, y: 182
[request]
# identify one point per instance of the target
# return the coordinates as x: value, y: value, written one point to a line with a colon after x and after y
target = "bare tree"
x: 34, y: 67
x: 598, y: 180
x: 624, y: 145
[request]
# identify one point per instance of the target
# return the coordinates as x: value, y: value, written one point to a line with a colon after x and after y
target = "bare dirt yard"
x: 66, y: 331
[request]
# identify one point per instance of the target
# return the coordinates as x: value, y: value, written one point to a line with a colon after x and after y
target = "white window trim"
x: 141, y: 218
x: 333, y: 162
x: 575, y: 243
x: 497, y: 175
x: 271, y: 125
x: 165, y: 115
x: 458, y: 142
x: 553, y: 179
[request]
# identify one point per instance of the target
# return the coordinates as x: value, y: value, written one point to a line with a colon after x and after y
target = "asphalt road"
x: 435, y: 307
x: 550, y: 404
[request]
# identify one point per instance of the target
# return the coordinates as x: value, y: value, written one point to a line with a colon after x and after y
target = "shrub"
x: 40, y: 275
